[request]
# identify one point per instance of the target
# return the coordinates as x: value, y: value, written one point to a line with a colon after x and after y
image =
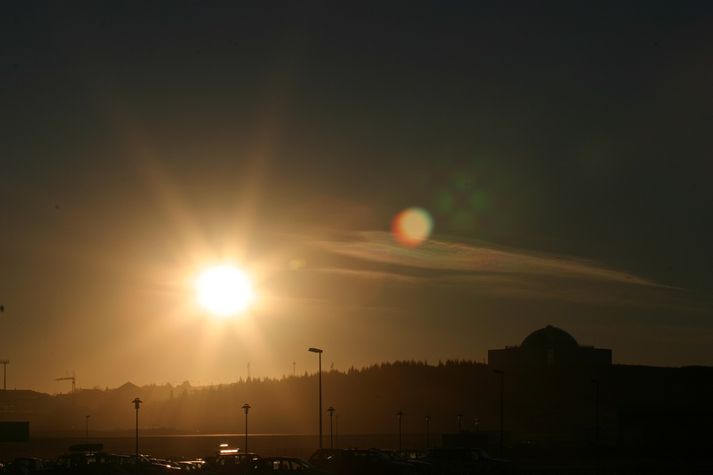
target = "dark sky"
x: 562, y: 149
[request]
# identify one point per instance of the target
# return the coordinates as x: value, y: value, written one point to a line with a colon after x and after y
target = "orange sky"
x: 564, y: 164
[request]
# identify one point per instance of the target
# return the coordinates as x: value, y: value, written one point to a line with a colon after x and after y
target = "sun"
x: 224, y: 290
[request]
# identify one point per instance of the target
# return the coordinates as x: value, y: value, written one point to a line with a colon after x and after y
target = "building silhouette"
x: 550, y: 390
x: 549, y: 347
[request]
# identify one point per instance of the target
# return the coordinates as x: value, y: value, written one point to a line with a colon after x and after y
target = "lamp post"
x: 459, y: 417
x: 330, y: 410
x: 246, y: 408
x: 428, y: 430
x: 400, y: 416
x: 137, y: 404
x: 501, y: 373
x: 4, y: 364
x: 319, y: 353
x: 86, y: 426
x: 595, y: 447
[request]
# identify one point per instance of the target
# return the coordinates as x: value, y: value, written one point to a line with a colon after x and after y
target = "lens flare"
x: 412, y: 226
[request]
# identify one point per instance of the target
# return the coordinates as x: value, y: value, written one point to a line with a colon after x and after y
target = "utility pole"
x: 246, y: 408
x: 501, y: 373
x: 428, y: 430
x: 331, y: 427
x: 4, y: 364
x: 595, y: 382
x: 319, y: 352
x: 400, y: 416
x: 137, y: 403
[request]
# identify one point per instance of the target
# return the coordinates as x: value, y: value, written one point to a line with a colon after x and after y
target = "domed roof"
x: 549, y: 338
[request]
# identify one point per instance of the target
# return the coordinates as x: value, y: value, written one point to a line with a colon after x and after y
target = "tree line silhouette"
x: 630, y: 404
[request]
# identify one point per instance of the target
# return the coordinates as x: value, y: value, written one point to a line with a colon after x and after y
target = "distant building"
x: 549, y: 347
x: 557, y: 391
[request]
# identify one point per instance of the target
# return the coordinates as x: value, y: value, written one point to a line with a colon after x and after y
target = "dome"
x: 549, y: 338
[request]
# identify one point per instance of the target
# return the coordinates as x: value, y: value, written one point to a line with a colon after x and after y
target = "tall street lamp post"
x: 501, y: 373
x: 319, y: 353
x: 137, y: 404
x: 428, y: 430
x: 595, y: 382
x: 4, y: 364
x: 400, y: 416
x: 330, y: 410
x: 86, y: 426
x: 246, y: 408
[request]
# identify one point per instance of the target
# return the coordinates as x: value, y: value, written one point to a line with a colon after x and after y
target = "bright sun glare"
x: 224, y: 290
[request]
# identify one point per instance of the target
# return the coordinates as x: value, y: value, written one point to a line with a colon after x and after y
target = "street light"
x: 501, y: 373
x: 86, y: 426
x: 460, y: 422
x: 319, y: 352
x: 595, y: 447
x: 400, y: 416
x: 428, y: 430
x: 4, y: 364
x: 137, y: 404
x: 330, y: 410
x: 246, y: 408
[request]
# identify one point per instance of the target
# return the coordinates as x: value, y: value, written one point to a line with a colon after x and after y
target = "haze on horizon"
x: 561, y: 151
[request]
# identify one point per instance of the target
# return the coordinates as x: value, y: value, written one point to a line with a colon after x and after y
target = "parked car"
x: 464, y: 461
x: 103, y: 463
x: 277, y: 465
x: 234, y: 464
x: 357, y: 462
x: 27, y: 465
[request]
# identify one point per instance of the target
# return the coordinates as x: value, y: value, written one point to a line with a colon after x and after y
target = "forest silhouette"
x: 634, y: 404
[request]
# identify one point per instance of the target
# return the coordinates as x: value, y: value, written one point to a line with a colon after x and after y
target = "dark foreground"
x: 289, y: 453
x: 91, y: 459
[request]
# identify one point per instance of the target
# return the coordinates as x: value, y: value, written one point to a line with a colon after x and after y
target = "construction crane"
x: 68, y: 378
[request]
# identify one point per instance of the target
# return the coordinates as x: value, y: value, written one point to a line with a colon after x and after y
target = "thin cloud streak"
x: 372, y: 275
x: 454, y: 257
x: 500, y: 273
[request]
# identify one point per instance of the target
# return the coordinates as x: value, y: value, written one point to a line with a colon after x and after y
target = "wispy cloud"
x: 454, y: 257
x: 372, y: 274
x: 499, y: 272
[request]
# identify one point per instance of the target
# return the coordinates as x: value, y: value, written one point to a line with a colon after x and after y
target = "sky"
x: 561, y: 150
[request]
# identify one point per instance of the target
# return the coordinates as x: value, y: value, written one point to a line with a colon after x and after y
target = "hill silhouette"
x: 538, y: 406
